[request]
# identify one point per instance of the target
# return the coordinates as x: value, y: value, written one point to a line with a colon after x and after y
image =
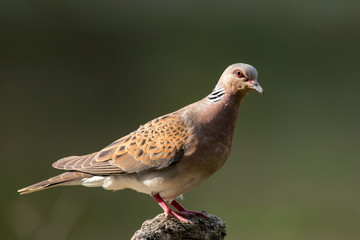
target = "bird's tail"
x: 67, y: 178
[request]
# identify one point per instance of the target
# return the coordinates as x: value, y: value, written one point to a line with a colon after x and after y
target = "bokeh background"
x: 76, y: 75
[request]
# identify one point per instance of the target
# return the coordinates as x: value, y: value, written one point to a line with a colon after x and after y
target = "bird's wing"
x: 86, y: 164
x: 155, y: 145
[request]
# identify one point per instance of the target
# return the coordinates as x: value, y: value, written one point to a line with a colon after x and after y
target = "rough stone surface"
x: 166, y: 228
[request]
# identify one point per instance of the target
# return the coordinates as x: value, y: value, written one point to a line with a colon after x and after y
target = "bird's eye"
x: 239, y: 74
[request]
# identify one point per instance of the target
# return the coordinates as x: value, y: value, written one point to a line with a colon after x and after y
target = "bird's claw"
x: 189, y: 213
x: 178, y: 216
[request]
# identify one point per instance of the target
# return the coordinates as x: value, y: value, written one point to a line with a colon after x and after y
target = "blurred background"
x: 77, y: 75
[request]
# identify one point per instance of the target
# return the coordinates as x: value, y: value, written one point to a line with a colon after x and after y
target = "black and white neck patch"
x: 216, y: 95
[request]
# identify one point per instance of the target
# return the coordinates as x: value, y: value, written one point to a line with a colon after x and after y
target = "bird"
x: 169, y: 155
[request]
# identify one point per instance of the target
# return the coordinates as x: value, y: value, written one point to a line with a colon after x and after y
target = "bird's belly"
x: 173, y: 182
x: 118, y: 182
x: 167, y: 186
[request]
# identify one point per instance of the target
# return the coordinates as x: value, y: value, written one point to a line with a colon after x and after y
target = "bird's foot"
x: 184, y: 212
x: 167, y: 210
x: 178, y: 216
x: 189, y: 213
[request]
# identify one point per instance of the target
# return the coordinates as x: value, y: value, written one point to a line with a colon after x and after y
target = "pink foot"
x: 167, y: 210
x: 183, y: 211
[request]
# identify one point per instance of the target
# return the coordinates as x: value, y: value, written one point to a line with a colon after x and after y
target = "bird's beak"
x: 255, y: 85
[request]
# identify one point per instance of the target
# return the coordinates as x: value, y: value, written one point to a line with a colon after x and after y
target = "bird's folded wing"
x: 155, y: 145
x: 86, y: 164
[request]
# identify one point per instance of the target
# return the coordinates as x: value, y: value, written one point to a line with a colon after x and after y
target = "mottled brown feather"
x: 86, y: 164
x: 154, y: 145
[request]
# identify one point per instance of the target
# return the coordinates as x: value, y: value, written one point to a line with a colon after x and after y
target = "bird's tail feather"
x: 67, y: 178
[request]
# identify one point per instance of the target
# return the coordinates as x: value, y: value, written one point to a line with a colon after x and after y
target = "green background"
x: 76, y: 75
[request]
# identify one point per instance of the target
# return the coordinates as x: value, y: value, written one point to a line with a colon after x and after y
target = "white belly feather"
x: 118, y: 182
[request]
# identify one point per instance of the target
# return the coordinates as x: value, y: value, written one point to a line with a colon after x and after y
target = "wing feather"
x: 86, y: 164
x: 155, y: 145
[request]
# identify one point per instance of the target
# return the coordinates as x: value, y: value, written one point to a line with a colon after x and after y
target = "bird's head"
x: 240, y: 78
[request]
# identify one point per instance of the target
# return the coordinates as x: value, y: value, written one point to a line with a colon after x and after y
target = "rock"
x: 166, y: 228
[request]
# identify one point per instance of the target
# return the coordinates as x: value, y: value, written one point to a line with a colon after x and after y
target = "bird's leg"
x: 184, y: 211
x: 167, y: 210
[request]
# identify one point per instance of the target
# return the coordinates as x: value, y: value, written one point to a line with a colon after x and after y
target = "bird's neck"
x: 223, y: 104
x: 223, y: 113
x: 218, y: 113
x: 216, y: 95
